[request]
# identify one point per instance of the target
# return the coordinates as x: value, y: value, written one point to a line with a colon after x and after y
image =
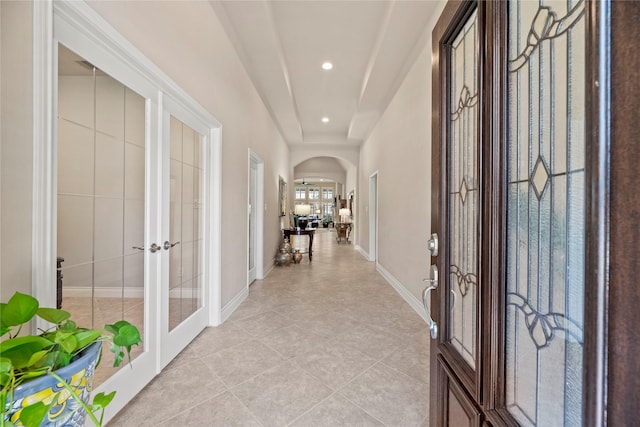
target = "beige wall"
x: 404, y: 182
x: 16, y: 146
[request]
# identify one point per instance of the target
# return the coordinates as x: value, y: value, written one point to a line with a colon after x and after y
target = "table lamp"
x: 344, y: 215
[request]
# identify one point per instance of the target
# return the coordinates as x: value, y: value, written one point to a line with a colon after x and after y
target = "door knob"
x: 433, y: 326
x: 168, y: 245
x: 153, y: 248
x: 432, y: 244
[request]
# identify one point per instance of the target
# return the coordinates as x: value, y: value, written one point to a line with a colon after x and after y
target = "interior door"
x: 103, y: 222
x: 252, y: 217
x: 510, y: 179
x: 186, y: 147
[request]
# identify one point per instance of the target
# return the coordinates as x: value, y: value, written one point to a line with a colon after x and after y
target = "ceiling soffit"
x: 282, y: 44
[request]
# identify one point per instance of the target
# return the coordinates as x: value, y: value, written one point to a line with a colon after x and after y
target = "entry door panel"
x: 458, y: 259
x: 510, y: 184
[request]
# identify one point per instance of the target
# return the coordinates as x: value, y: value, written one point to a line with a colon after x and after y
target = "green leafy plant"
x: 23, y: 358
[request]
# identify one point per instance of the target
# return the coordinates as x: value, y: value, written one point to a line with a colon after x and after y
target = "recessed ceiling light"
x: 327, y: 66
x: 325, y: 120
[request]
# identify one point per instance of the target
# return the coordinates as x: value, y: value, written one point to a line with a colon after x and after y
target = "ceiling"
x: 283, y: 44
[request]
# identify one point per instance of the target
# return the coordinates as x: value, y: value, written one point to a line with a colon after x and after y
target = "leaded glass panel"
x: 463, y: 191
x: 545, y: 212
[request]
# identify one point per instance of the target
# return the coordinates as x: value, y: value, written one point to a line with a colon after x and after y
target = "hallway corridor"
x: 327, y: 343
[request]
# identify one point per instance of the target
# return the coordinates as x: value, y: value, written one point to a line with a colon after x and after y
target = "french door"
x: 515, y: 190
x: 137, y: 197
x: 185, y: 196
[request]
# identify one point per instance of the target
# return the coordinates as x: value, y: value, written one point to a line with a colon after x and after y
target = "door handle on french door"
x: 153, y: 248
x: 168, y: 245
x: 433, y: 326
x: 432, y: 244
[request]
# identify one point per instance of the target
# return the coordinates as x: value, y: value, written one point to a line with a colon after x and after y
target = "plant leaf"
x: 32, y: 415
x: 2, y: 324
x: 127, y: 336
x: 69, y: 343
x: 101, y: 400
x: 37, y: 357
x: 116, y: 349
x: 5, y: 371
x: 19, y: 309
x: 69, y: 325
x: 20, y: 349
x: 87, y: 337
x: 53, y: 315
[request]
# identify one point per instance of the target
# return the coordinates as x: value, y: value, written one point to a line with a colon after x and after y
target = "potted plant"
x: 46, y: 379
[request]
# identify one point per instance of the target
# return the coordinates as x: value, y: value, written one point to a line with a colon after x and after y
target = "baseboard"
x: 404, y: 292
x: 232, y: 305
x: 362, y: 252
x: 266, y: 272
x: 87, y: 291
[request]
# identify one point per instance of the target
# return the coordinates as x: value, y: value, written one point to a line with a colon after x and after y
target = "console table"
x: 302, y: 232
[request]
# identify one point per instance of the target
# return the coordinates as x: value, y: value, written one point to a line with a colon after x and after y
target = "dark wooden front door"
x: 521, y: 198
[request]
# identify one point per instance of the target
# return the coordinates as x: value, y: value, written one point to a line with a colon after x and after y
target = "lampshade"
x: 345, y: 212
x: 303, y: 210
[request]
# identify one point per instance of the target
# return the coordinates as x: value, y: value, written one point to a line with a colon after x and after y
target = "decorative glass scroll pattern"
x: 463, y: 191
x: 545, y: 212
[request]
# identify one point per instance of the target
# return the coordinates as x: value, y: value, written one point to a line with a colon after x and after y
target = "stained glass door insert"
x: 463, y: 192
x: 545, y: 212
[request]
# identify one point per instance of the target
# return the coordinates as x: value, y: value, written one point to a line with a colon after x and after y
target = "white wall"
x: 16, y: 146
x: 404, y: 180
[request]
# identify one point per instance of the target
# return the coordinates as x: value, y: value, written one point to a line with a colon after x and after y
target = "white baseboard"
x: 86, y: 291
x: 232, y: 305
x: 362, y: 252
x: 404, y: 292
x: 267, y: 271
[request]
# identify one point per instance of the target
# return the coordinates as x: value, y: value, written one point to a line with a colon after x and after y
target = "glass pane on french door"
x: 463, y: 203
x: 545, y: 212
x: 101, y: 197
x: 185, y: 224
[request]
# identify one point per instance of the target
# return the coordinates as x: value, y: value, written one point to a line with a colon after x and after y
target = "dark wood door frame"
x: 622, y: 325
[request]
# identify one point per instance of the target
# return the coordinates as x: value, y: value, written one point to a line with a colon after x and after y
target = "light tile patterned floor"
x: 326, y: 343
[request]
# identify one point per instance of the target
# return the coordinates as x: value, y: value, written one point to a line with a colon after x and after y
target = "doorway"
x: 373, y: 217
x: 255, y: 219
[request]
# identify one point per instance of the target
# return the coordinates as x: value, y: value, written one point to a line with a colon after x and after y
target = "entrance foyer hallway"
x: 326, y: 343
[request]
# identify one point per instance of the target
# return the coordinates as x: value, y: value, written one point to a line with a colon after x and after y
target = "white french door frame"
x: 81, y: 29
x: 258, y: 163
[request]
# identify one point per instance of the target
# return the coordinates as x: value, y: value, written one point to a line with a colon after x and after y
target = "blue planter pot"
x: 66, y: 411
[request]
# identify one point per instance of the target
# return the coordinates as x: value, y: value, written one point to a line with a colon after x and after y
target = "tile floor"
x: 327, y: 343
